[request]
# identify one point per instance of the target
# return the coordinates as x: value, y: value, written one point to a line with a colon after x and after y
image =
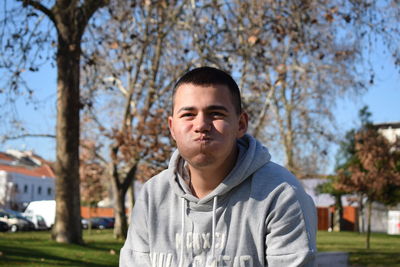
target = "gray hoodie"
x: 258, y: 216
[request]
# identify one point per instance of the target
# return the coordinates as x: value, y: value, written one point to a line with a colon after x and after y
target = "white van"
x: 37, y: 220
x: 43, y: 208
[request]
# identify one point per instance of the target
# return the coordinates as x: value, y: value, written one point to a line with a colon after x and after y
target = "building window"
x: 25, y: 189
x: 16, y: 188
x: 39, y: 190
x: 49, y: 191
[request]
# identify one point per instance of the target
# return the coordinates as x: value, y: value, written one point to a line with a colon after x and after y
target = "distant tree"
x: 347, y: 157
x: 92, y: 174
x: 22, y: 45
x: 375, y: 173
x: 92, y: 178
x: 132, y: 60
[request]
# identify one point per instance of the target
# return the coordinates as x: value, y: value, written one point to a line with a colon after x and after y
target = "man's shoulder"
x: 275, y: 180
x: 158, y: 181
x: 272, y: 175
x: 274, y: 172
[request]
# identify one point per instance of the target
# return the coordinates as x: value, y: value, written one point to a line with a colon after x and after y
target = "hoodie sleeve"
x: 135, y: 252
x: 291, y: 229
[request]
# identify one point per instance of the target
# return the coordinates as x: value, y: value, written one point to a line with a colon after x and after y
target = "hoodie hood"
x: 252, y: 156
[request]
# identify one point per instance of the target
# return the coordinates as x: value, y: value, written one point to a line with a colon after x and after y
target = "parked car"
x: 98, y: 223
x: 3, y: 226
x: 16, y: 222
x: 111, y: 220
x: 38, y: 221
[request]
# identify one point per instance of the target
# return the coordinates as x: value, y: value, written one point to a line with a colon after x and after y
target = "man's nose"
x: 202, y: 123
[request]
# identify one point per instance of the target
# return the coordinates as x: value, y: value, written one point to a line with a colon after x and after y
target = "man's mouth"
x: 202, y: 139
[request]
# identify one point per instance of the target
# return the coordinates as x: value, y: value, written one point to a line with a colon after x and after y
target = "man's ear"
x: 243, y: 124
x: 171, y: 130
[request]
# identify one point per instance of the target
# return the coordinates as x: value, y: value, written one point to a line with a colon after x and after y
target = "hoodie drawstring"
x: 214, y: 223
x: 214, y: 211
x: 182, y: 232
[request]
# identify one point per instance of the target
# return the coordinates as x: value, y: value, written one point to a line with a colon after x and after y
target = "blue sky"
x: 383, y: 96
x: 383, y: 99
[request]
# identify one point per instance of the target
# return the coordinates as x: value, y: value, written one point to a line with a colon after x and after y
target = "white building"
x: 389, y: 130
x: 24, y: 177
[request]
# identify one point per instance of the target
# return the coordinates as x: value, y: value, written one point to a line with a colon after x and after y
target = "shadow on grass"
x: 12, y: 256
x: 365, y: 258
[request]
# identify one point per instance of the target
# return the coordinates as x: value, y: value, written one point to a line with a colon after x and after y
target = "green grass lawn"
x: 384, y: 251
x: 101, y: 249
x: 37, y: 249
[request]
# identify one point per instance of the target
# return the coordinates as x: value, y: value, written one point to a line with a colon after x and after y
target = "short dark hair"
x: 204, y: 76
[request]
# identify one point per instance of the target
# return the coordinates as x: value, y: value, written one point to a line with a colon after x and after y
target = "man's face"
x: 205, y: 124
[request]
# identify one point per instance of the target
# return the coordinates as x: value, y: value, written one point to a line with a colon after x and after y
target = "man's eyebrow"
x: 186, y: 109
x: 217, y: 107
x: 212, y: 107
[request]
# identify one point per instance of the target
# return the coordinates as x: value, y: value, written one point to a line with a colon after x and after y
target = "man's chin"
x: 201, y: 160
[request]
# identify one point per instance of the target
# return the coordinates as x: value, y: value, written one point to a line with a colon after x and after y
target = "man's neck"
x: 203, y: 181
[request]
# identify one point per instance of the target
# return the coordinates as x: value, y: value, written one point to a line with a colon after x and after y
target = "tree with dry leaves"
x: 92, y: 174
x: 375, y: 172
x: 23, y: 43
x: 129, y: 68
x: 93, y: 177
x: 293, y: 60
x: 345, y: 157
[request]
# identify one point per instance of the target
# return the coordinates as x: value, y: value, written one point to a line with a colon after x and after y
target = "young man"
x: 221, y: 202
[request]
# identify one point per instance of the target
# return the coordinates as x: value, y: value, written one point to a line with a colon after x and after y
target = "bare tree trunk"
x: 367, y: 244
x: 131, y: 196
x: 121, y: 224
x: 70, y: 19
x: 338, y: 217
x: 259, y: 124
x: 67, y: 228
x: 361, y: 223
x: 89, y: 219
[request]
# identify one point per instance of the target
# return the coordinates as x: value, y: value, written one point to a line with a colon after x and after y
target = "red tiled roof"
x: 5, y: 156
x: 41, y: 171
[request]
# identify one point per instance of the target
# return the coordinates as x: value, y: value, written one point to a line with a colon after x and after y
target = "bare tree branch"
x: 8, y: 138
x: 40, y: 7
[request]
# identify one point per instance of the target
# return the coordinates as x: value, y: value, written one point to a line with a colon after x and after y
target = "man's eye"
x: 217, y: 114
x: 187, y: 115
